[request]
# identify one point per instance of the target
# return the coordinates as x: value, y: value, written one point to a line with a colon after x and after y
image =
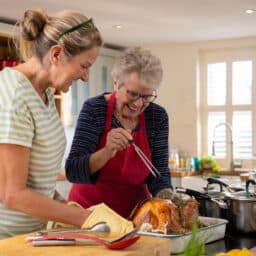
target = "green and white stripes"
x: 25, y: 120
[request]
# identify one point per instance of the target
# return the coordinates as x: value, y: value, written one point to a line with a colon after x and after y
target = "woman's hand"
x: 117, y: 140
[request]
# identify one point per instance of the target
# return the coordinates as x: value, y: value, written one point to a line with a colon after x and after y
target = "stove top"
x: 232, y: 240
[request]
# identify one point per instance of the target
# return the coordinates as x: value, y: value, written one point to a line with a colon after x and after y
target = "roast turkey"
x: 162, y: 215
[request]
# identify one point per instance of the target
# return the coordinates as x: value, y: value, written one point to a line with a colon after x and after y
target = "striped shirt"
x: 25, y: 120
x: 90, y: 127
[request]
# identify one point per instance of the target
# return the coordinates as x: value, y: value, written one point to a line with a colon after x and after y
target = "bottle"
x: 182, y: 162
x: 173, y: 158
x: 187, y: 160
x: 196, y: 163
x: 192, y: 164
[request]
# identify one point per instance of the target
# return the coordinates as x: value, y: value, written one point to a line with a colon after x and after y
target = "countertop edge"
x: 198, y: 173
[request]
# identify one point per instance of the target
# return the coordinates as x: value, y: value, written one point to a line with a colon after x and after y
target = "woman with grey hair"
x: 101, y: 159
x: 56, y: 50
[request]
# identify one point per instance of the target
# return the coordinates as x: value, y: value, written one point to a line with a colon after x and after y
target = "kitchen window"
x: 228, y: 105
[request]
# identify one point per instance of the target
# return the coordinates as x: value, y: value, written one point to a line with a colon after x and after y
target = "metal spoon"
x: 120, y: 242
x: 98, y: 227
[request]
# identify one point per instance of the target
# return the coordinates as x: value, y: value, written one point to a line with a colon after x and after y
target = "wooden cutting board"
x: 145, y: 246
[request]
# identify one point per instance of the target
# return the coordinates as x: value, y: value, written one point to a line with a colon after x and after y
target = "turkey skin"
x: 163, y: 216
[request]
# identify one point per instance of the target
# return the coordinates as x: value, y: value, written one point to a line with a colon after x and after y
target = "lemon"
x: 237, y: 252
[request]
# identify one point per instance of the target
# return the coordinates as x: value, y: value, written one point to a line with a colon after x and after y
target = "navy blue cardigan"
x: 90, y: 126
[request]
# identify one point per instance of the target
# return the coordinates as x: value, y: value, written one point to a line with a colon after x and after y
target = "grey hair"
x: 39, y: 32
x: 141, y: 61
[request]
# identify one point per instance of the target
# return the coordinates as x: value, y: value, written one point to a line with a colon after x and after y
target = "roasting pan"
x: 214, y: 229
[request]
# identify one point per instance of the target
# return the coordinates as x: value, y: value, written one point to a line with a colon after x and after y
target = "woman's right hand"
x: 117, y: 140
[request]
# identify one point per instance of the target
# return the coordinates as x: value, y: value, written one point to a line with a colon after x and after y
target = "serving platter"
x: 214, y: 229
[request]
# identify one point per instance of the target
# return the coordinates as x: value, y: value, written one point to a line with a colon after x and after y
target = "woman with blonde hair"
x: 56, y: 50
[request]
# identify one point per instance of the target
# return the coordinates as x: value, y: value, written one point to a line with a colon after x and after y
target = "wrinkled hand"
x: 102, y: 213
x: 117, y: 140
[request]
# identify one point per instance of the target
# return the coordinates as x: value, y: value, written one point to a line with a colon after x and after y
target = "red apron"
x: 121, y: 183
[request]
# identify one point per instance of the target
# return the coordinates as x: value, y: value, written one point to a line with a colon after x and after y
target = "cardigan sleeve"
x: 157, y: 123
x: 90, y: 126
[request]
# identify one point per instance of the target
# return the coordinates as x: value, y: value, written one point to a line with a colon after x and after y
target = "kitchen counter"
x: 237, y: 172
x: 144, y: 246
x: 232, y: 241
x: 184, y: 173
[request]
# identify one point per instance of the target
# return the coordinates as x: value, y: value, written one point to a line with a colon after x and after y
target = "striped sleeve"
x: 157, y: 125
x: 90, y: 125
x: 16, y: 124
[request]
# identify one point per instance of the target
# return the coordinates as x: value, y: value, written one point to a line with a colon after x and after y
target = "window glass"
x: 228, y: 109
x: 242, y: 134
x: 216, y: 84
x: 241, y: 82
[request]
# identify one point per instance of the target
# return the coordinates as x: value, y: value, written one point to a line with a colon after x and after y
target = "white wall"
x: 180, y: 87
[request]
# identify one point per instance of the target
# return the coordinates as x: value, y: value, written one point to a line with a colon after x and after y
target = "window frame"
x: 228, y: 56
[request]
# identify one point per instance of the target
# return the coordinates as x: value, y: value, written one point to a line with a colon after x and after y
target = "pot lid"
x: 241, y: 196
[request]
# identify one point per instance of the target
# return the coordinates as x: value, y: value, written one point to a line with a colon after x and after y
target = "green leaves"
x: 210, y: 162
x: 196, y: 244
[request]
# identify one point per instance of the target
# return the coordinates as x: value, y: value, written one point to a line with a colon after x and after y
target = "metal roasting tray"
x: 214, y: 230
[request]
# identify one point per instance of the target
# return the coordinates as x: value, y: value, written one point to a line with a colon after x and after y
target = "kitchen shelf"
x: 185, y: 173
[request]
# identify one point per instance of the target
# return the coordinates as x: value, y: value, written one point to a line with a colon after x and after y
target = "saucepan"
x: 211, y: 202
x: 210, y: 205
x: 241, y: 209
x: 238, y: 207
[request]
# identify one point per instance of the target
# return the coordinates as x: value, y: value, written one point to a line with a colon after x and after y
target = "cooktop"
x: 232, y: 240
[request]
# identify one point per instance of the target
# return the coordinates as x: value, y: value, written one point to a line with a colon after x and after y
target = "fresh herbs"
x: 196, y: 244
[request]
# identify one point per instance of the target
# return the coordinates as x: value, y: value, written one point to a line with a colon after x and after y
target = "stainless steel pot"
x: 209, y: 203
x: 241, y: 210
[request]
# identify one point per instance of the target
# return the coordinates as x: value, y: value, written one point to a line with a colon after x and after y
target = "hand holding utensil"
x: 145, y: 160
x: 141, y: 154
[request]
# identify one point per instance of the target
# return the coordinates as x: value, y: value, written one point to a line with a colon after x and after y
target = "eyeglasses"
x: 84, y: 23
x: 146, y: 98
